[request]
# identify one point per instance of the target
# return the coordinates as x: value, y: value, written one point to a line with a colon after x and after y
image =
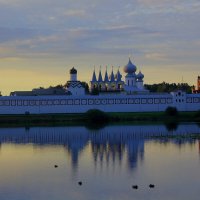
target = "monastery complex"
x: 114, y: 94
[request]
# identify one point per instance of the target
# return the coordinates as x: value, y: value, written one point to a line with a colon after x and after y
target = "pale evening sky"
x: 41, y: 40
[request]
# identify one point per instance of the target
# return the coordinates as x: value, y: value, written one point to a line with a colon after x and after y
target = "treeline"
x: 168, y: 87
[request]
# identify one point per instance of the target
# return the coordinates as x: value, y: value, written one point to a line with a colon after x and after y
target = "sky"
x: 40, y: 41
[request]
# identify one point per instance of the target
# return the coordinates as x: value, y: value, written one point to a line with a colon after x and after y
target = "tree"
x: 168, y: 87
x: 171, y: 111
x: 86, y: 86
x: 95, y: 91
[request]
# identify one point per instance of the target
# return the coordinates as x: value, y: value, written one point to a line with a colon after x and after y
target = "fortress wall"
x: 193, y: 102
x: 107, y: 103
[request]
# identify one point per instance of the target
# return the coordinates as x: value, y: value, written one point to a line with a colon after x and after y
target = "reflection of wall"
x: 109, y: 144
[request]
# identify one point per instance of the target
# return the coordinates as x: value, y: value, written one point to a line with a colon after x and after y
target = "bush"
x: 96, y: 116
x: 197, y: 114
x: 95, y: 91
x: 171, y: 111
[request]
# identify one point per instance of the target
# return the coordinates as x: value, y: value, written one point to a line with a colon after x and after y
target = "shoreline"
x: 95, y: 120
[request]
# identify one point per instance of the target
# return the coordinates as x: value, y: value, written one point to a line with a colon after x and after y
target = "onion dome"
x: 73, y: 71
x: 130, y: 67
x: 140, y: 76
x: 94, y: 78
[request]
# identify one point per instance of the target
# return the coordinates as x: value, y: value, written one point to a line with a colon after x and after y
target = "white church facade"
x: 133, y: 82
x: 115, y: 95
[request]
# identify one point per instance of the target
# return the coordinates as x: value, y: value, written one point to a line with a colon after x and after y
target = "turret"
x: 100, y: 76
x: 130, y: 78
x: 139, y: 82
x: 73, y: 74
x: 133, y: 83
x: 112, y: 76
x: 106, y: 80
x: 130, y: 68
x: 118, y: 76
x: 94, y: 78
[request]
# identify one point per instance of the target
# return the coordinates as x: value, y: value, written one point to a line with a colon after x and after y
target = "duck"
x: 135, y: 187
x: 80, y: 183
x: 151, y: 185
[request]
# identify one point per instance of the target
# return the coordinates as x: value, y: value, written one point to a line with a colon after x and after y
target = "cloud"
x: 75, y: 13
x: 156, y: 56
x: 10, y: 34
x: 155, y: 30
x: 11, y: 59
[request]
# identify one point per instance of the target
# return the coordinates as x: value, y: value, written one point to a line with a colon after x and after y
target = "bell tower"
x: 73, y: 74
x: 198, y: 83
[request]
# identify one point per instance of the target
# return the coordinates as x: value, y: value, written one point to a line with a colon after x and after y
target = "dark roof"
x: 40, y: 92
x: 73, y: 71
x: 94, y: 78
x: 22, y: 93
x: 74, y: 84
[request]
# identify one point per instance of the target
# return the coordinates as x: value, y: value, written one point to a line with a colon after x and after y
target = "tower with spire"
x: 73, y: 86
x: 139, y: 80
x: 133, y: 82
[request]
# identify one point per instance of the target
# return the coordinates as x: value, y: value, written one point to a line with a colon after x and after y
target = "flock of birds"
x: 133, y: 186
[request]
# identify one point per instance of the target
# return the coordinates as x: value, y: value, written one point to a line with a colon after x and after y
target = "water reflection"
x: 110, y: 144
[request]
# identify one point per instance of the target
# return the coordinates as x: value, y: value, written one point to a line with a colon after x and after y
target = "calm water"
x: 107, y: 161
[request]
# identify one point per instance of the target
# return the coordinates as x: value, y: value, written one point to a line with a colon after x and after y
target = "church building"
x: 114, y: 83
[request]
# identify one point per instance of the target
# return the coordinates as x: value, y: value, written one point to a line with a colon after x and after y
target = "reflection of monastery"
x: 109, y: 145
x: 109, y: 93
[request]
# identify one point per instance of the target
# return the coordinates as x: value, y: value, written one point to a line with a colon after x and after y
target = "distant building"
x: 74, y: 86
x: 197, y: 89
x: 41, y: 92
x: 108, y: 83
x: 113, y: 95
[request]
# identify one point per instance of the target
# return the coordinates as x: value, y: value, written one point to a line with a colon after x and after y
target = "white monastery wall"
x: 106, y: 103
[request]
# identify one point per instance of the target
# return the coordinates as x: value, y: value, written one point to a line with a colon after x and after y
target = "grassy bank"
x: 97, y: 117
x: 156, y: 116
x: 41, y: 119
